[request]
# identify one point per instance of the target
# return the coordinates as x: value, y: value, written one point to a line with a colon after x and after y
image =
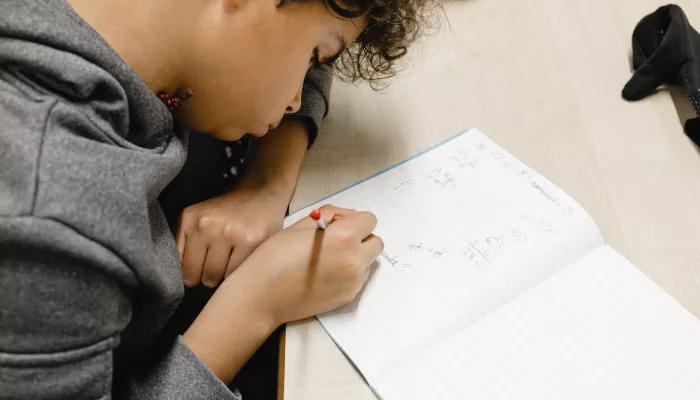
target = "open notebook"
x: 494, y: 284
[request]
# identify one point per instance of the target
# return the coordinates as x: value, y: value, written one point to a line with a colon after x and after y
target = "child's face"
x: 250, y: 60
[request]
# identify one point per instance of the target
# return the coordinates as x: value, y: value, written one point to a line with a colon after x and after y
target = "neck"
x: 148, y: 35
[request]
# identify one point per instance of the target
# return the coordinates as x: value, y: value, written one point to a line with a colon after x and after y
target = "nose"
x: 296, y: 102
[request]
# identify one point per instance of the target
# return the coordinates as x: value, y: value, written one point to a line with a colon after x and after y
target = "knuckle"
x: 253, y: 237
x: 233, y: 234
x: 355, y: 265
x: 346, y: 272
x: 329, y: 209
x: 345, y: 238
x: 204, y: 222
x: 353, y: 262
x: 229, y: 232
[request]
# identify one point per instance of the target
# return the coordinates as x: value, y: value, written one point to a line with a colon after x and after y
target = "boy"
x: 89, y: 269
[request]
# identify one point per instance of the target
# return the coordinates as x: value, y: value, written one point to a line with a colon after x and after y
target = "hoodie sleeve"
x: 85, y: 259
x: 315, y: 97
x: 62, y: 320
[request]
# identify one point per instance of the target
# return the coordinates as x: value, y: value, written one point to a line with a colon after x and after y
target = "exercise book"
x: 495, y: 284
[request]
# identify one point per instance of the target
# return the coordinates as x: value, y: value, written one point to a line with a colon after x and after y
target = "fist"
x: 303, y: 271
x: 214, y: 237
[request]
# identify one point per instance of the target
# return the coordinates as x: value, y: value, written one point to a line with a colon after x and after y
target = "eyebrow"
x: 341, y: 48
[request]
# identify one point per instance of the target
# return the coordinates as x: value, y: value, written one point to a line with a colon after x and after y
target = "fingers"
x: 329, y: 212
x: 371, y: 248
x: 360, y: 224
x: 194, y: 254
x: 240, y: 253
x: 340, y: 213
x: 215, y: 263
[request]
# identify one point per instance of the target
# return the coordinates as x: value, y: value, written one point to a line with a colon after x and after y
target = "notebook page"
x: 600, y: 330
x: 466, y: 227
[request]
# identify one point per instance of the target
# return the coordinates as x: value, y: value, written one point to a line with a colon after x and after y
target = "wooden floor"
x: 542, y: 78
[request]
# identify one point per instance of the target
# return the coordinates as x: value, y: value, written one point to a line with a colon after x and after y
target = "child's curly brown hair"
x: 392, y: 25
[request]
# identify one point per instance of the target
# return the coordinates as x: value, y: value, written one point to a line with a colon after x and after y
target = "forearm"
x: 229, y: 329
x: 274, y: 161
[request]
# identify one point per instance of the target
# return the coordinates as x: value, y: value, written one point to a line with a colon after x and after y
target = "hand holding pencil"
x: 309, y: 268
x: 318, y: 217
x: 299, y: 273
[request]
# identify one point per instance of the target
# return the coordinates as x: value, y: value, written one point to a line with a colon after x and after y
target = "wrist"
x: 232, y: 325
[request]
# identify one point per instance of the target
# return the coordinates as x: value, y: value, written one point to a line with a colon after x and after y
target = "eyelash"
x: 315, y: 61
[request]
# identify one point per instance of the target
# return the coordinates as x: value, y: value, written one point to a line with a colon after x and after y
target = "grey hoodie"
x: 89, y: 271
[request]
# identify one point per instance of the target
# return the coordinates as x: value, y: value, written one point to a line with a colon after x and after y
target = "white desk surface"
x: 542, y: 78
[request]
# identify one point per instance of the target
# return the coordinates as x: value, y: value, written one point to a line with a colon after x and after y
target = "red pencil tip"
x: 315, y: 215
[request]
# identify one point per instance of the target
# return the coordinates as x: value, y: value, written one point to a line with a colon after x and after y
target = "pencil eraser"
x: 315, y: 215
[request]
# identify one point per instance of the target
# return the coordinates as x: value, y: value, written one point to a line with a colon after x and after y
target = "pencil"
x: 320, y: 221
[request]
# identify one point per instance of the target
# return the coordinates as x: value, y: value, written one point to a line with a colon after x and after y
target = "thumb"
x: 329, y: 212
x: 643, y: 83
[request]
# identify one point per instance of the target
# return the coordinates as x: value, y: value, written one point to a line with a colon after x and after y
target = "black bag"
x: 666, y: 50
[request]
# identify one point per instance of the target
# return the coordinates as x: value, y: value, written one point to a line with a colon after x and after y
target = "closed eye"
x: 316, y: 58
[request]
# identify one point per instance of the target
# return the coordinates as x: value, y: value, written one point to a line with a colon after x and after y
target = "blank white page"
x: 598, y: 330
x: 467, y: 228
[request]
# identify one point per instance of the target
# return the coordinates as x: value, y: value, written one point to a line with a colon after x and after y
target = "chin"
x: 229, y: 134
x: 262, y: 130
x: 258, y: 133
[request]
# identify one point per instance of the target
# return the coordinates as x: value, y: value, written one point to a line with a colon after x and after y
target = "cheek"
x: 253, y: 104
x: 249, y: 87
x: 275, y: 82
x: 279, y: 86
x: 231, y: 101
